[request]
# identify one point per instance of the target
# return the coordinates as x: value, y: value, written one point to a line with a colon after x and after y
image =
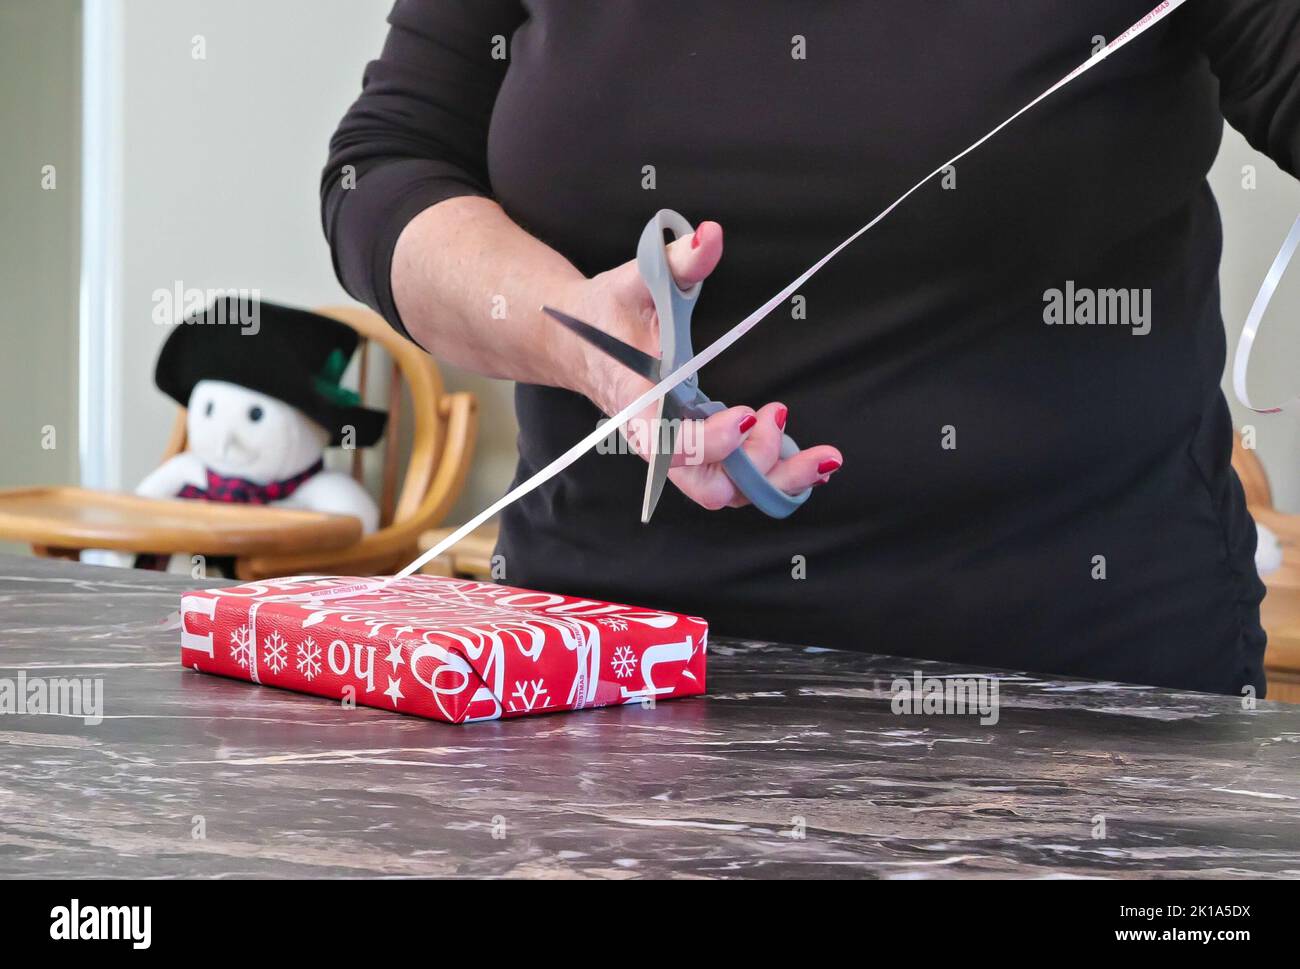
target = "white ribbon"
x: 1241, y: 363
x: 713, y: 350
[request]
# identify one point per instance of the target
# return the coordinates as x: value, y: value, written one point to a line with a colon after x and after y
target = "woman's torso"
x: 1077, y: 448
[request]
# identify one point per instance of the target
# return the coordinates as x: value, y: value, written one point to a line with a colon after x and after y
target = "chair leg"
x: 50, y: 552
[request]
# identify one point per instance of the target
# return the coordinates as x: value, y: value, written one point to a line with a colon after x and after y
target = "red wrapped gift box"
x: 447, y: 649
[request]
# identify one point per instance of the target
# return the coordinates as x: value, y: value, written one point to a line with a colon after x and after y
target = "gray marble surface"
x: 794, y: 765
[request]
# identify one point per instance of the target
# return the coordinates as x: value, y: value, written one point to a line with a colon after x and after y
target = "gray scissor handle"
x: 674, y: 306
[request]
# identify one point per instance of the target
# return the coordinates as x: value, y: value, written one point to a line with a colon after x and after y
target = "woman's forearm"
x: 469, y: 284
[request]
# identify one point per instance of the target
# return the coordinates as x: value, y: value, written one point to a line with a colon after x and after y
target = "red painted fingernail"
x: 782, y: 413
x: 747, y: 423
x: 821, y: 481
x: 827, y: 466
x: 695, y: 239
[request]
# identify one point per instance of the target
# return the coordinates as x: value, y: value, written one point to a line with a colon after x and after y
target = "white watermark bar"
x: 76, y: 922
x: 946, y: 695
x: 188, y: 306
x: 57, y: 696
x: 685, y: 437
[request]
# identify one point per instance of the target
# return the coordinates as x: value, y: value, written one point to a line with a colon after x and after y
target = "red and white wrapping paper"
x: 448, y: 649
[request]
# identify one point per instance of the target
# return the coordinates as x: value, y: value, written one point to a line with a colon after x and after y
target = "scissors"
x: 685, y: 401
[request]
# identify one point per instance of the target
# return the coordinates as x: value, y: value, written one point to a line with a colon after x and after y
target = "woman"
x: 1014, y: 493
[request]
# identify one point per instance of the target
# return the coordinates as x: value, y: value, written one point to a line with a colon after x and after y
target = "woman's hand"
x: 619, y: 302
x: 458, y: 262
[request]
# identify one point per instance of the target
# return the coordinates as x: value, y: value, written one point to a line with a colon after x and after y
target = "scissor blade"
x: 663, y: 442
x: 629, y: 356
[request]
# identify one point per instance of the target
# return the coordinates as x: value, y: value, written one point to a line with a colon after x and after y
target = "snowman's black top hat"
x: 289, y: 354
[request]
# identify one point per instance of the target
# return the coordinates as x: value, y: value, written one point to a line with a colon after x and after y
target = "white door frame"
x: 100, y: 316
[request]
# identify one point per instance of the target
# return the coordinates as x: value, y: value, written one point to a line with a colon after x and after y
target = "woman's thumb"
x: 690, y: 258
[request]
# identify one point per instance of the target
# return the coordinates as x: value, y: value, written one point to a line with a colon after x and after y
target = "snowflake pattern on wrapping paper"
x: 274, y: 652
x: 616, y: 625
x: 623, y: 662
x: 241, y: 646
x: 308, y: 659
x: 529, y: 693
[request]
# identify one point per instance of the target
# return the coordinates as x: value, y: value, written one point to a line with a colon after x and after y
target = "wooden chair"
x: 268, y: 541
x: 1280, y: 611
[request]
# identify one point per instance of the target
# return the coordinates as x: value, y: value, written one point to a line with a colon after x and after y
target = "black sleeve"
x: 1253, y: 48
x: 416, y: 136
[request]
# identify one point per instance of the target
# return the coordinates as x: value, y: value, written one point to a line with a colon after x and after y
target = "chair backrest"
x: 409, y: 365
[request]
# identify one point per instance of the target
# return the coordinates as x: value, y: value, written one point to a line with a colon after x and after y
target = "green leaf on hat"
x: 327, y: 382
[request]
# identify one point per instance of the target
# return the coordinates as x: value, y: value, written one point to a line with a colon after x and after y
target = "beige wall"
x: 40, y: 52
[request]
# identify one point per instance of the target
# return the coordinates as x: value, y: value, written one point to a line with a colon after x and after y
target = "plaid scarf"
x: 245, y: 492
x: 237, y: 491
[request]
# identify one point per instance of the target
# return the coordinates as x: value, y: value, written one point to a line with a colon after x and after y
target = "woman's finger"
x: 692, y: 258
x: 810, y: 467
x: 763, y: 443
x: 706, y: 484
x: 713, y: 438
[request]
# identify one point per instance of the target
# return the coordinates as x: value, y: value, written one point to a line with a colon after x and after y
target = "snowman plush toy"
x: 260, y: 383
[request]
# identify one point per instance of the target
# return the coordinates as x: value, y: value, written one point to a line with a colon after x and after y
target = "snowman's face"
x: 240, y: 433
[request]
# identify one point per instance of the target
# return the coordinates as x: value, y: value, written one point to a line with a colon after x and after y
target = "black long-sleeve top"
x: 1015, y: 493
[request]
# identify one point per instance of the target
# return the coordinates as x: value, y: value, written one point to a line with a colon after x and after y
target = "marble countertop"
x: 795, y: 764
